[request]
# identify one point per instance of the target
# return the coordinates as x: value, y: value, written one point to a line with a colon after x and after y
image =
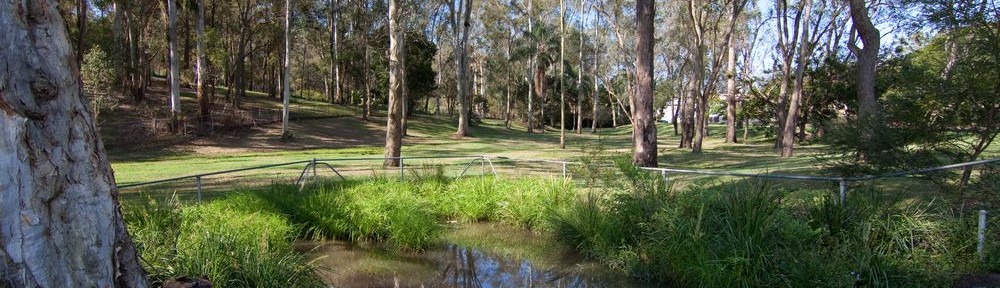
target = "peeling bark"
x: 60, y: 222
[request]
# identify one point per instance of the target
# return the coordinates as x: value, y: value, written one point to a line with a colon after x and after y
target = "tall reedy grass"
x: 238, y: 241
x: 751, y: 233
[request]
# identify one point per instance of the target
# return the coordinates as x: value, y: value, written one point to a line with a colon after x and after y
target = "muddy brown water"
x: 472, y: 255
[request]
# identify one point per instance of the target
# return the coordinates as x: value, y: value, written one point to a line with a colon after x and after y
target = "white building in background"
x: 667, y: 111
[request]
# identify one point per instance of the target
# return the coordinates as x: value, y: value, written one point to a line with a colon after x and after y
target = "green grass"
x: 755, y: 234
x: 236, y: 242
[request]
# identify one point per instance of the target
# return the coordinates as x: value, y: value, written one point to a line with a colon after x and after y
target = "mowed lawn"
x: 428, y: 136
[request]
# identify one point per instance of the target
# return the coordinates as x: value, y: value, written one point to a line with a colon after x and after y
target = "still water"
x: 473, y: 255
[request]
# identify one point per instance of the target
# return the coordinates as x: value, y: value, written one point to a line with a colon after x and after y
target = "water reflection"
x: 452, y: 265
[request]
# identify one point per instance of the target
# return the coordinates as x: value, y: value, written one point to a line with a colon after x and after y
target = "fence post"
x: 982, y: 235
x: 564, y: 169
x: 843, y: 191
x: 197, y: 183
x: 663, y: 173
x: 314, y: 169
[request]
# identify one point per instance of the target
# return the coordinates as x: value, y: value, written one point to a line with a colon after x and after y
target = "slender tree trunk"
x: 531, y: 73
x: 203, y: 100
x: 597, y: 57
x: 393, y: 128
x: 285, y: 77
x: 792, y: 116
x: 368, y: 89
x: 867, y: 58
x: 579, y: 85
x: 175, y: 77
x: 334, y: 56
x: 506, y: 114
x: 687, y: 121
x: 462, y: 35
x: 643, y: 124
x: 60, y: 219
x: 406, y: 89
x: 81, y: 26
x: 562, y: 74
x: 731, y: 92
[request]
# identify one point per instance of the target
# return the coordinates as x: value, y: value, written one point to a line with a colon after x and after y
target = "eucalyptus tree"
x: 562, y: 73
x: 204, y: 105
x: 644, y: 124
x: 286, y: 90
x: 394, y: 129
x: 460, y: 27
x: 867, y: 57
x: 174, y: 77
x: 60, y: 220
x: 334, y: 24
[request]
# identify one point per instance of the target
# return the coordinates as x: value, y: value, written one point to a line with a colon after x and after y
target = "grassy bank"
x: 245, y: 239
x: 755, y: 234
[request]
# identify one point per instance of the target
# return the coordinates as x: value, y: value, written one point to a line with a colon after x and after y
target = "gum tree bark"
x: 334, y: 56
x: 792, y: 116
x: 60, y: 222
x: 285, y: 91
x: 643, y: 124
x: 562, y: 74
x: 461, y: 26
x: 867, y: 58
x: 203, y: 101
x: 175, y: 75
x: 393, y: 127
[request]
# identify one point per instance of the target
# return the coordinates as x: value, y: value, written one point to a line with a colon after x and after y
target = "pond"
x: 472, y: 255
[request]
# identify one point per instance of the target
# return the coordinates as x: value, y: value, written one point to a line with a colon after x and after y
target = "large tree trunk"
x: 60, y: 222
x: 393, y: 127
x: 175, y: 76
x: 285, y: 89
x: 203, y: 100
x: 643, y: 124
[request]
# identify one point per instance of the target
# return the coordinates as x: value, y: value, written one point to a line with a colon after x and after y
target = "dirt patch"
x: 334, y: 132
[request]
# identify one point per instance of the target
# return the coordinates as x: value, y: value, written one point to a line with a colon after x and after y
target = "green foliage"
x: 752, y: 234
x: 238, y: 241
x: 406, y: 215
x: 100, y: 69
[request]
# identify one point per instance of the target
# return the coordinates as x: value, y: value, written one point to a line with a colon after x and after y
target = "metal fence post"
x: 663, y: 173
x: 982, y: 235
x: 197, y: 183
x: 843, y: 191
x: 564, y: 169
x: 314, y: 169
